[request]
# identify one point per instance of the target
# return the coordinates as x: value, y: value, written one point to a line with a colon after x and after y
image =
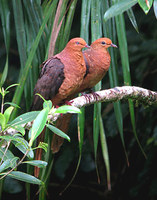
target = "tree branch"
x: 140, y: 95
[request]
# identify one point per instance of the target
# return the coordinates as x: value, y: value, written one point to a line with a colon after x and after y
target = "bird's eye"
x: 77, y: 42
x: 103, y: 42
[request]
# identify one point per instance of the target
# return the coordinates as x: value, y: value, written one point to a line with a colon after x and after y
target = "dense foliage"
x: 118, y: 141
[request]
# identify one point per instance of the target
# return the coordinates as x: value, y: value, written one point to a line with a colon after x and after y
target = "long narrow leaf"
x: 132, y: 19
x: 96, y: 31
x: 20, y: 88
x: 20, y: 31
x: 118, y: 8
x: 84, y: 33
x: 105, y: 153
x: 25, y: 177
x: 5, y: 18
x: 58, y: 132
x: 120, y: 24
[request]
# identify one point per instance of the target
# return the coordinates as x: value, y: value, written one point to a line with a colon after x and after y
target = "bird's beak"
x: 87, y: 46
x: 113, y: 45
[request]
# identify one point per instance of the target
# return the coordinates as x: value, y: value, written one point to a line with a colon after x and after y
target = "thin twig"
x: 16, y: 165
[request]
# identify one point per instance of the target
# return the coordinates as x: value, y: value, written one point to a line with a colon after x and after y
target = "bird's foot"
x: 95, y: 96
x: 87, y: 97
x: 69, y: 103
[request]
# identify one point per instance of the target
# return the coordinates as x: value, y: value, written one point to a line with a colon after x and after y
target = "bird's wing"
x: 49, y: 82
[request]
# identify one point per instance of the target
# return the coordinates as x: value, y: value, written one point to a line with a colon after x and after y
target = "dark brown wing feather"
x: 49, y: 82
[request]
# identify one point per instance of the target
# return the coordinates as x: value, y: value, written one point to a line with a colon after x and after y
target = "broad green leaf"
x: 38, y: 163
x: 38, y: 125
x: 8, y: 154
x: 19, y: 129
x: 119, y: 8
x: 24, y: 118
x: 2, y: 121
x: 67, y: 109
x: 155, y: 7
x: 58, y: 132
x: 9, y: 137
x: 8, y: 163
x: 20, y: 143
x: 145, y: 5
x: 25, y: 177
x: 23, y: 147
x: 8, y: 112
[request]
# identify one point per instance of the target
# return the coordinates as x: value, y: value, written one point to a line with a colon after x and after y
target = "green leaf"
x: 2, y: 121
x: 25, y: 177
x: 10, y: 86
x: 155, y: 7
x: 8, y: 163
x: 119, y: 8
x: 43, y: 145
x: 8, y: 112
x: 5, y: 72
x: 132, y: 19
x: 19, y: 129
x: 67, y: 109
x: 23, y: 146
x: 58, y: 132
x: 105, y: 153
x: 20, y: 143
x: 38, y: 163
x: 145, y: 5
x: 9, y: 137
x: 47, y: 104
x: 8, y: 154
x: 24, y: 118
x: 121, y: 33
x: 12, y: 104
x: 5, y: 19
x: 23, y: 77
x: 38, y: 125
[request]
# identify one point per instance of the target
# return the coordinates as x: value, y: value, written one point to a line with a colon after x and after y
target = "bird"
x: 97, y: 60
x: 60, y: 77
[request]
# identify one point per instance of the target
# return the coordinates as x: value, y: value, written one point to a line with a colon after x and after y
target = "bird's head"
x: 77, y: 44
x: 102, y: 43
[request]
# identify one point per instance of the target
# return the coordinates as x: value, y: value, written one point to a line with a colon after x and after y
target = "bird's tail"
x: 63, y: 125
x: 38, y: 154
